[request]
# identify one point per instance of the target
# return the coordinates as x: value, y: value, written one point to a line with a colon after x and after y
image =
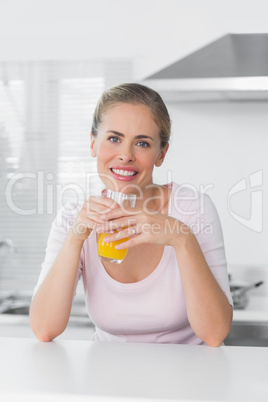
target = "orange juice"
x: 108, y: 250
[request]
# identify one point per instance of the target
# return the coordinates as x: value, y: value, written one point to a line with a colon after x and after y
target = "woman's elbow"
x: 41, y: 334
x: 44, y: 338
x: 214, y: 342
x: 44, y: 334
x: 45, y: 329
x: 218, y: 336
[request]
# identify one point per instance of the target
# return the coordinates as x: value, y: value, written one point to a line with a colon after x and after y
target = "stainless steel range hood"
x: 234, y: 67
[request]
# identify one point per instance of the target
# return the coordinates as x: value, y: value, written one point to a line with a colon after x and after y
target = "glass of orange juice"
x: 107, y: 251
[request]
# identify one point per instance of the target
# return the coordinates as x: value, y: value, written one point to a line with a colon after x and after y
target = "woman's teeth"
x: 123, y: 172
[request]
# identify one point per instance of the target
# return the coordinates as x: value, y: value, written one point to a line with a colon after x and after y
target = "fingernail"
x: 99, y: 229
x: 103, y: 217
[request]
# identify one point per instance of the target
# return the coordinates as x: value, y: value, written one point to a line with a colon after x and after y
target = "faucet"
x: 9, y: 244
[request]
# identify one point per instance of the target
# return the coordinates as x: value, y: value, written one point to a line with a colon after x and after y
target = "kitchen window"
x: 45, y: 120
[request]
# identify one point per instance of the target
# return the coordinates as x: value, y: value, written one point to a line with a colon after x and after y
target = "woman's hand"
x: 141, y: 226
x: 89, y: 217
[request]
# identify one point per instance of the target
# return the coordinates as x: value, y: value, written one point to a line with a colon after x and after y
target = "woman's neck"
x: 154, y: 197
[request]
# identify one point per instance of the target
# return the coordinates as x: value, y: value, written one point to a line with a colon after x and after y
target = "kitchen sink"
x: 14, y: 318
x: 22, y: 310
x: 20, y: 305
x: 248, y: 334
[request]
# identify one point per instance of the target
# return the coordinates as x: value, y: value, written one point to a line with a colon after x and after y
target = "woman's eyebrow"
x: 140, y: 136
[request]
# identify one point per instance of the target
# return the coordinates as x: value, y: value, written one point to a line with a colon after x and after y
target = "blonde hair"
x: 135, y: 94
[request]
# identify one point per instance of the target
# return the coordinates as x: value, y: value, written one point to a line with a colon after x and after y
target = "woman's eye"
x: 113, y: 139
x: 144, y: 144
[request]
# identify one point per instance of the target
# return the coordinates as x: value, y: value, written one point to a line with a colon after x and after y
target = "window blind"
x: 45, y: 163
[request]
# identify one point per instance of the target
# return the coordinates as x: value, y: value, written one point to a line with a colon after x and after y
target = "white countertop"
x: 99, y: 371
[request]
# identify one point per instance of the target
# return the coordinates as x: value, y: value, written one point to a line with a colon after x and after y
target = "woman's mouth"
x: 124, y: 174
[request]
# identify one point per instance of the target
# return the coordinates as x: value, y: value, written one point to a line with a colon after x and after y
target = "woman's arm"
x: 51, y: 304
x: 208, y: 309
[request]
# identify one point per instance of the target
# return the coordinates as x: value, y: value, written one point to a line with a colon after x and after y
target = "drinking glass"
x: 107, y: 251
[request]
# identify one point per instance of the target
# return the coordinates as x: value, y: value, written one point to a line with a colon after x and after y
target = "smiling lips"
x: 124, y: 174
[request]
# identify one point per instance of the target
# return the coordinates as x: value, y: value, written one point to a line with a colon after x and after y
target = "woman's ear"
x: 92, y: 145
x: 161, y: 156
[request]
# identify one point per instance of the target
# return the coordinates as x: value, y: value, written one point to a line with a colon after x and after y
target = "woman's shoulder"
x: 187, y: 200
x: 66, y: 216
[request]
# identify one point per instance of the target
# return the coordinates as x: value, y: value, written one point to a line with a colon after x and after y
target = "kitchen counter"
x: 97, y: 371
x: 255, y: 311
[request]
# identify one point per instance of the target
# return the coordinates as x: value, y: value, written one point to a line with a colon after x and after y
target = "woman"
x: 172, y: 286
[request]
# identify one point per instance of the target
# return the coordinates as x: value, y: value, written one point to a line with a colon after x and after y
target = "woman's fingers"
x: 94, y: 207
x: 121, y: 234
x: 119, y: 212
x: 144, y: 228
x: 100, y: 205
x: 116, y: 224
x: 89, y: 216
x: 135, y: 226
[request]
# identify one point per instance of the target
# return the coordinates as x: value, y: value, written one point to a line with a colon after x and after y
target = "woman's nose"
x: 127, y: 154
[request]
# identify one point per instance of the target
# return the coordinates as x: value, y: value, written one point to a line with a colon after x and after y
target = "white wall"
x: 217, y: 145
x: 153, y: 32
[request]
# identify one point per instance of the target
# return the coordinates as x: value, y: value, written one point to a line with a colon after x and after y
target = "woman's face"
x: 127, y: 147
